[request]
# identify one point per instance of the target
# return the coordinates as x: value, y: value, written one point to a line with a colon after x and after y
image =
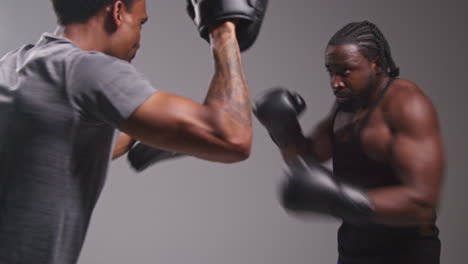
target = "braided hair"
x: 371, y: 43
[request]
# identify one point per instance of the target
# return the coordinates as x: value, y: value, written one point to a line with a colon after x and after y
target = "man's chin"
x: 130, y: 57
x: 342, y: 99
x: 348, y: 105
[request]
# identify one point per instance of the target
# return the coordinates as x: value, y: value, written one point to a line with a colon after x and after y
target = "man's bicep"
x: 178, y: 124
x: 417, y: 161
x: 416, y: 150
x: 164, y: 118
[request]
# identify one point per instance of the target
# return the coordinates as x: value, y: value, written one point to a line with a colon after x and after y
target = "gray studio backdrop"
x: 192, y: 211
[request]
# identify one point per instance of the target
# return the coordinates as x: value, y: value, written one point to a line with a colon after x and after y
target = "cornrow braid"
x: 370, y: 41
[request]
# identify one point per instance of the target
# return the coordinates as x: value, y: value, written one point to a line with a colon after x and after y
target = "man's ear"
x: 114, y: 15
x: 376, y: 65
x: 118, y: 9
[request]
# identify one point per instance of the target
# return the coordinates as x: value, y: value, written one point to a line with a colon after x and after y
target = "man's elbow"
x: 244, y: 152
x: 240, y: 150
x: 426, y: 208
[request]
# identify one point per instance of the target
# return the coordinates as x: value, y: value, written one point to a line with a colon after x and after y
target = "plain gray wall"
x: 192, y: 211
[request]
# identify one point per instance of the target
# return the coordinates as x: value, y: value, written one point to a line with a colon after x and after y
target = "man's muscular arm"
x: 416, y: 153
x: 218, y: 130
x: 278, y: 110
x: 412, y: 145
x: 318, y: 144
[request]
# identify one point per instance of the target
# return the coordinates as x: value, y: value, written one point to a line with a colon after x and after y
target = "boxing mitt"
x: 248, y: 14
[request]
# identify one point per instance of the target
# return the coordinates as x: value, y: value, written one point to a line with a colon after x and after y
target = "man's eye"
x: 345, y: 72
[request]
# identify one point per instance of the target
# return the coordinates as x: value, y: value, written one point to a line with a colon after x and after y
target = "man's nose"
x: 336, y: 82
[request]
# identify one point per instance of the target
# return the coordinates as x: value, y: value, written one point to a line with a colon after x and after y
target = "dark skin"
x: 122, y: 145
x: 218, y: 130
x: 403, y: 132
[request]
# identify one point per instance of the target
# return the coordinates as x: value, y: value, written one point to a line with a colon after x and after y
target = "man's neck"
x: 368, y: 98
x: 87, y: 36
x: 380, y: 85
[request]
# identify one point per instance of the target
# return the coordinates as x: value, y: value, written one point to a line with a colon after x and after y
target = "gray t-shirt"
x: 59, y: 110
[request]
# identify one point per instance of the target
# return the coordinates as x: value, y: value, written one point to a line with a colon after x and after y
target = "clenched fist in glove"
x: 310, y: 187
x: 278, y: 109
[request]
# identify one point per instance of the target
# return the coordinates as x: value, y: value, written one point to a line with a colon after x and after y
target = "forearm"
x: 313, y: 188
x: 401, y: 205
x: 297, y: 147
x: 228, y: 94
x: 310, y: 187
x: 317, y: 146
x: 218, y: 130
x: 278, y: 110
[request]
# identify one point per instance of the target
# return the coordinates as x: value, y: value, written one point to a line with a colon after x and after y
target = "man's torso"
x: 54, y: 148
x: 361, y: 156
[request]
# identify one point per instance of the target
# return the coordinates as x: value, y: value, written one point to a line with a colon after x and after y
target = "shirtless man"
x: 388, y: 162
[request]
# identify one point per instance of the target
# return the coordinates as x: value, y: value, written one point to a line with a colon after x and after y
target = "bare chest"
x: 369, y: 129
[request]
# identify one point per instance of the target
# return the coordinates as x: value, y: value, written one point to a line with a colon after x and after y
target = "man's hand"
x: 278, y: 110
x: 311, y: 188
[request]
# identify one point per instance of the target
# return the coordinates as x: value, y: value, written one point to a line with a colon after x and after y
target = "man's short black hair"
x: 80, y: 11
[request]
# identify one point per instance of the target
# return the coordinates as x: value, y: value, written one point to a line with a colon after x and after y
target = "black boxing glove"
x: 142, y: 156
x: 310, y: 187
x: 278, y: 110
x: 248, y: 14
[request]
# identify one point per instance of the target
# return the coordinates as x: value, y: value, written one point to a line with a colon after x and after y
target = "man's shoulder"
x: 406, y: 105
x: 403, y: 92
x: 405, y: 86
x: 96, y: 57
x: 94, y: 62
x: 12, y: 55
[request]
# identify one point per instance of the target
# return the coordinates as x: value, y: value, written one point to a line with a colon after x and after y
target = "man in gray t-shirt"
x: 62, y: 101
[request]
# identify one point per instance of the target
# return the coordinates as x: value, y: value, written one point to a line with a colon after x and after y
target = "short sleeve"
x: 107, y: 89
